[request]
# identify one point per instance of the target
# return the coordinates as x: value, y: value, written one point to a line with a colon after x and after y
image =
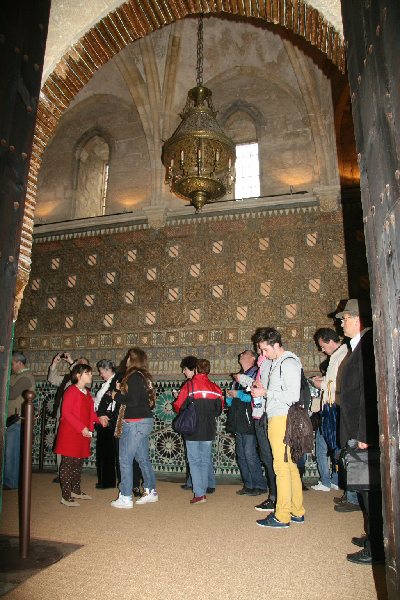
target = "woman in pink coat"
x: 75, y: 434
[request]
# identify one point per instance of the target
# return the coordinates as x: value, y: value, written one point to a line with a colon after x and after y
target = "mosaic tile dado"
x: 166, y: 447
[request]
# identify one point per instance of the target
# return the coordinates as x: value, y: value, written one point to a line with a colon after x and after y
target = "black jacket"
x: 359, y: 407
x: 103, y: 408
x: 136, y: 399
x: 207, y: 410
x: 239, y: 418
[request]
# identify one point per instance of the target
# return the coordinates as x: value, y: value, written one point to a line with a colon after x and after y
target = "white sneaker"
x: 320, y: 487
x: 82, y: 496
x: 70, y: 502
x: 122, y: 502
x: 148, y: 496
x: 334, y: 486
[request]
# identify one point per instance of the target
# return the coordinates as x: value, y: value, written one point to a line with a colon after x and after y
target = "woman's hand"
x: 86, y: 433
x: 257, y: 390
x: 104, y: 420
x: 56, y: 359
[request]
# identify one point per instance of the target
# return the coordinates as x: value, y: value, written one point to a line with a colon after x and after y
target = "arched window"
x: 92, y: 178
x: 247, y: 167
x: 241, y: 128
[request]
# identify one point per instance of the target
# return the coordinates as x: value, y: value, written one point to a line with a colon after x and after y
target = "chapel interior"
x: 119, y: 260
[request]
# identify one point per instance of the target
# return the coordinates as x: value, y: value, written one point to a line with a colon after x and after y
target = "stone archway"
x: 134, y: 20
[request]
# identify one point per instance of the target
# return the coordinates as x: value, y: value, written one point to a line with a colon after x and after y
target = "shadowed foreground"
x: 171, y: 550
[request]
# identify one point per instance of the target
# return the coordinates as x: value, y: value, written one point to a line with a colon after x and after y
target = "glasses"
x: 346, y: 319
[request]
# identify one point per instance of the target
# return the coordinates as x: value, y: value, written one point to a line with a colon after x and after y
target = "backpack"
x: 299, y: 434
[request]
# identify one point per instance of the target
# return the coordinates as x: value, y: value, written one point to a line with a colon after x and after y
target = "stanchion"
x: 25, y: 507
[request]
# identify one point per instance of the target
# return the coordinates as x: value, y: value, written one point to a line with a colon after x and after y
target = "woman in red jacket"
x: 208, y: 402
x: 75, y: 434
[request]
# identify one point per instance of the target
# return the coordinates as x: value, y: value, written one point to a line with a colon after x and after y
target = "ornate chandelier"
x: 199, y: 157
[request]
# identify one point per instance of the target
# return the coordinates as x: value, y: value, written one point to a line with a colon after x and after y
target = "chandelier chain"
x: 199, y: 79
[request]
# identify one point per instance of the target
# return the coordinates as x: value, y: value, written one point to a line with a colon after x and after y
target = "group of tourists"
x: 268, y: 384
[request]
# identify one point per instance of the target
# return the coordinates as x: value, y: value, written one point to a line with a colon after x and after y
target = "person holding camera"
x: 62, y: 380
x: 240, y: 422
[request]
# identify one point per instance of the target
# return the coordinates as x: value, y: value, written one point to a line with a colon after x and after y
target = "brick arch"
x: 134, y: 20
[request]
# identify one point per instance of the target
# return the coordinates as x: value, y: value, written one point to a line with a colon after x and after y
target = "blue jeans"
x: 352, y: 497
x: 134, y: 443
x: 12, y: 455
x: 199, y: 456
x: 323, y: 463
x: 264, y: 448
x: 211, y: 476
x: 249, y: 462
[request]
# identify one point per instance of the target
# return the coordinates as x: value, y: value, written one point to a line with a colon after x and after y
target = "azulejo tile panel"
x: 166, y: 446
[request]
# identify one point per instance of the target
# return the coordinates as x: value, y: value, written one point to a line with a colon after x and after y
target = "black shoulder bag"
x: 185, y: 422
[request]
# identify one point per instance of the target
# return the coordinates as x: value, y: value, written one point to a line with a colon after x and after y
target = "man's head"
x: 189, y: 366
x: 269, y: 341
x: 327, y: 339
x: 18, y: 362
x: 355, y: 316
x: 247, y: 359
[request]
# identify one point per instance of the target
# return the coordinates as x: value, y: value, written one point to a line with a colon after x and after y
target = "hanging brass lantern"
x: 199, y: 157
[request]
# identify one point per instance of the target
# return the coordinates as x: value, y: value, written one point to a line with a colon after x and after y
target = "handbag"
x: 185, y: 422
x: 120, y: 421
x: 362, y: 468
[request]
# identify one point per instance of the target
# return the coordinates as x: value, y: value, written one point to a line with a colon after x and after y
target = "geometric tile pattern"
x: 200, y: 286
x: 166, y: 447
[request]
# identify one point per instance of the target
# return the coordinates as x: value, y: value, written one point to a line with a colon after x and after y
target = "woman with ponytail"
x: 136, y: 398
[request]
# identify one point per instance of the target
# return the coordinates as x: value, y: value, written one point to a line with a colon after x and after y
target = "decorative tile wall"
x: 166, y: 447
x: 198, y: 286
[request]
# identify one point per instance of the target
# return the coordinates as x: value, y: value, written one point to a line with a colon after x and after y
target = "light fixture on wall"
x: 199, y: 157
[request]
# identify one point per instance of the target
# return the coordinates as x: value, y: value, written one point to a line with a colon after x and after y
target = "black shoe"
x: 340, y: 499
x: 100, y: 486
x: 210, y: 490
x: 185, y: 487
x: 56, y: 480
x: 254, y: 492
x: 137, y: 493
x: 6, y: 487
x: 244, y: 491
x: 359, y: 541
x: 345, y: 507
x: 304, y: 487
x: 363, y: 557
x: 267, y: 506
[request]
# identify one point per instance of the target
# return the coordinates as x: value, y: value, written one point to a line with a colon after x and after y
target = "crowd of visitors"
x: 258, y: 402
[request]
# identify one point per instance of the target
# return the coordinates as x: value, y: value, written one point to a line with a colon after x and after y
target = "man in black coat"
x: 359, y: 426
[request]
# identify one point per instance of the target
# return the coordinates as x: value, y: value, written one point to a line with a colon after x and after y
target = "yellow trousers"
x: 288, y: 482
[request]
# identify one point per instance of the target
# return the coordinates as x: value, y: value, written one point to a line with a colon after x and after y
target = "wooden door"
x: 372, y: 33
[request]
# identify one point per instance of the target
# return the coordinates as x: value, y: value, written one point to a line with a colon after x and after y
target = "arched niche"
x: 92, y: 166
